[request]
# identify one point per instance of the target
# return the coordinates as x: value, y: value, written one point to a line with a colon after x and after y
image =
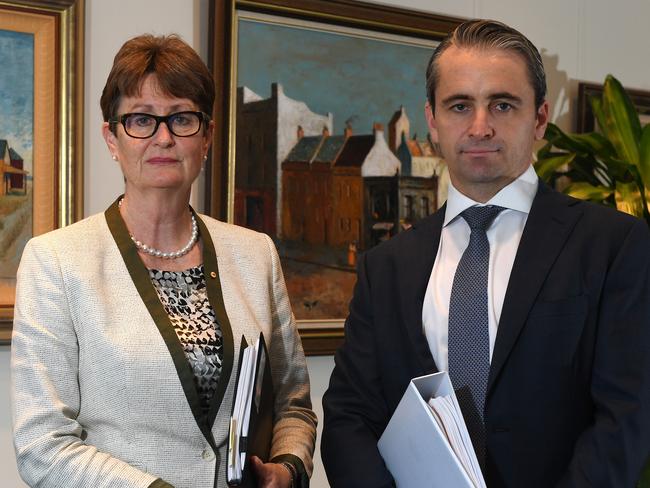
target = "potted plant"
x: 611, y: 166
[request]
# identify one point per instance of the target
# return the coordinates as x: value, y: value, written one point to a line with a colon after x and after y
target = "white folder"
x: 415, y: 449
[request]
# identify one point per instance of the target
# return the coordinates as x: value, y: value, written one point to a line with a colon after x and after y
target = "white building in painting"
x: 380, y: 161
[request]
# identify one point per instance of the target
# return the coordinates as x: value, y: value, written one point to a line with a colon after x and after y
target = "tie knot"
x: 481, y: 217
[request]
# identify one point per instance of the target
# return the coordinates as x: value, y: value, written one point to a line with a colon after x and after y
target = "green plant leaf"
x: 621, y: 125
x: 552, y: 131
x: 589, y: 143
x: 561, y: 140
x: 619, y: 170
x: 595, y: 143
x: 546, y: 167
x: 644, y: 190
x: 586, y: 191
x: 628, y: 198
x: 644, y: 157
x: 599, y: 171
x: 597, y: 109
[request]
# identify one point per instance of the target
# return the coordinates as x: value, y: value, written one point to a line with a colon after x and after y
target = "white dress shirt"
x: 503, y: 234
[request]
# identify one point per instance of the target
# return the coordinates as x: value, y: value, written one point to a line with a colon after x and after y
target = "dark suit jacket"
x: 568, y: 401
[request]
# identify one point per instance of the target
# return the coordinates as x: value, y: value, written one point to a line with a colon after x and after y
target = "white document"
x: 239, y: 422
x: 422, y: 448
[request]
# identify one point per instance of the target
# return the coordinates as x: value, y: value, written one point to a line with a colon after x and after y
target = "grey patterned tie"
x: 469, y: 339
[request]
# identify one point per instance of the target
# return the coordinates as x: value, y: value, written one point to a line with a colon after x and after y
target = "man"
x: 551, y: 364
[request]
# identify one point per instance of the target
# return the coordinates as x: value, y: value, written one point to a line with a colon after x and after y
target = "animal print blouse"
x: 185, y: 298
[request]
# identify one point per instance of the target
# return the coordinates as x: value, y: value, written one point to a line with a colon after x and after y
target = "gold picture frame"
x: 336, y: 18
x: 57, y: 170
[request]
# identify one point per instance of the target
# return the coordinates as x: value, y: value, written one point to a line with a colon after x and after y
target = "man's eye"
x: 503, y: 107
x: 459, y: 107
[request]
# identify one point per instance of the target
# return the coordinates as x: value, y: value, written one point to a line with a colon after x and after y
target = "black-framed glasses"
x: 142, y: 125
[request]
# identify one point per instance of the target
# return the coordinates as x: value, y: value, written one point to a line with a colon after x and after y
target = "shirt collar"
x: 518, y: 196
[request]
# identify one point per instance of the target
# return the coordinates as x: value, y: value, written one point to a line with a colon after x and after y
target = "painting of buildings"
x: 15, y: 212
x: 330, y: 196
x: 326, y: 193
x: 16, y: 141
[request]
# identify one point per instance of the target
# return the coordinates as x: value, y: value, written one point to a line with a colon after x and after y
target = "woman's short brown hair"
x: 179, y: 71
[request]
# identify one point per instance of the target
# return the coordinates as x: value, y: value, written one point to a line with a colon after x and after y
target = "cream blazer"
x: 102, y: 394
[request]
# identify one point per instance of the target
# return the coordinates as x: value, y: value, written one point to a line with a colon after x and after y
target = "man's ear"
x: 542, y: 121
x: 431, y: 121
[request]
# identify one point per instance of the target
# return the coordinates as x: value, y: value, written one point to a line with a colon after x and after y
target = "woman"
x: 128, y: 324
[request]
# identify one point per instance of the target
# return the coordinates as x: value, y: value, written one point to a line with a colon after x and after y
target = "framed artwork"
x: 586, y: 118
x: 321, y: 140
x: 41, y: 49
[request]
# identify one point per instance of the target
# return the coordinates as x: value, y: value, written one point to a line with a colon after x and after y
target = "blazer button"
x: 207, y: 455
x: 213, y: 275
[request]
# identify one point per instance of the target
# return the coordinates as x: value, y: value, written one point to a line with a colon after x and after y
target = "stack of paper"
x: 451, y: 423
x: 430, y: 446
x: 250, y: 423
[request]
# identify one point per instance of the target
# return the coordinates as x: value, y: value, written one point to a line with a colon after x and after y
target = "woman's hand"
x: 271, y: 475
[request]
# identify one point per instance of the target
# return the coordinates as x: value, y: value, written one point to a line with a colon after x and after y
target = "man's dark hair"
x: 490, y: 34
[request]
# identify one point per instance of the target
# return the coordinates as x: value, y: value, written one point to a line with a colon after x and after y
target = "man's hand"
x: 271, y: 475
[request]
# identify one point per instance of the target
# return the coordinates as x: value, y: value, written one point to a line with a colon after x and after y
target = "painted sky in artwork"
x: 17, y: 92
x: 356, y: 78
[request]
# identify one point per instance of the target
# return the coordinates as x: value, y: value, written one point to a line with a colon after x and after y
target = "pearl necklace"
x: 172, y: 254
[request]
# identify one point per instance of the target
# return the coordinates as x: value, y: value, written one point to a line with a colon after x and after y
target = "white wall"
x: 320, y: 368
x: 9, y: 477
x: 580, y: 40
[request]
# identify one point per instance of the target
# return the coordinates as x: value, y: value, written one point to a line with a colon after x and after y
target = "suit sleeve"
x: 355, y: 410
x: 49, y: 441
x: 613, y: 451
x: 294, y: 430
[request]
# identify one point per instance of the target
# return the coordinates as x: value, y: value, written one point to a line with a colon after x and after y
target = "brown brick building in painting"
x: 329, y: 188
x: 307, y: 209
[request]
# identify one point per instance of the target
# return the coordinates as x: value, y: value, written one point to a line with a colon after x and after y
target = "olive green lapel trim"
x: 142, y: 282
x: 215, y: 295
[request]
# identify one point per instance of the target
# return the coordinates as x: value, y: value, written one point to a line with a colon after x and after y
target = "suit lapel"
x: 417, y: 259
x: 140, y: 276
x: 215, y: 296
x: 552, y: 218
